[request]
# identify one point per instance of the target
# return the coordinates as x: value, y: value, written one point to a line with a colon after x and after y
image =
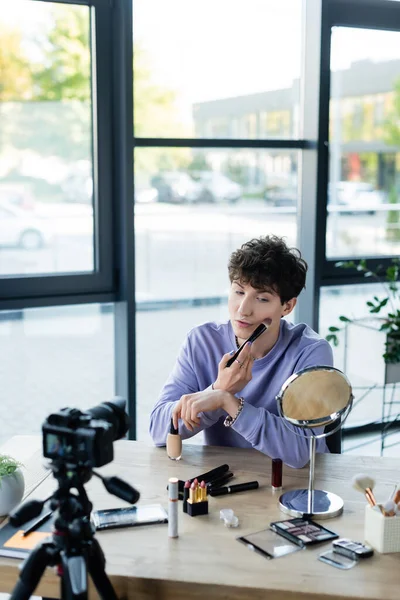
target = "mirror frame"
x: 320, y: 422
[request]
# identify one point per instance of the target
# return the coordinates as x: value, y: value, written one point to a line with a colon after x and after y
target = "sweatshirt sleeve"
x: 182, y: 380
x: 270, y: 434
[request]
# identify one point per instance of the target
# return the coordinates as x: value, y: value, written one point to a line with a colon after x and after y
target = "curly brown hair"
x: 267, y: 262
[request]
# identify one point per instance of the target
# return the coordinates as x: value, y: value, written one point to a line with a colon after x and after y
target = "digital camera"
x: 85, y: 438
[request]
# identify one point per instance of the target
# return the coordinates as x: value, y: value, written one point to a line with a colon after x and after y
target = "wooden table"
x: 206, y: 561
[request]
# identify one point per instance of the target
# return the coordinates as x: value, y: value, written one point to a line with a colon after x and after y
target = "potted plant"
x: 12, y: 484
x: 385, y: 316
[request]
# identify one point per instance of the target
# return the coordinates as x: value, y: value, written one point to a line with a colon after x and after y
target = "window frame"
x: 112, y: 89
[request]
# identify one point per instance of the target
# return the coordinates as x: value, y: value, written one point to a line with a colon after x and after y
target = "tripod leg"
x: 73, y: 578
x: 32, y: 570
x: 96, y: 566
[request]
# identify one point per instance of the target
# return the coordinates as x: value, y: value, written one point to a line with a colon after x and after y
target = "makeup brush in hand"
x: 365, y: 485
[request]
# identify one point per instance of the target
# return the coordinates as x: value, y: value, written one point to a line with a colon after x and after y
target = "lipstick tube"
x: 186, y: 492
x: 234, y: 489
x: 276, y: 475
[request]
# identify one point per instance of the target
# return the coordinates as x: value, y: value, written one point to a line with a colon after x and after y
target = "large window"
x: 143, y: 141
x: 359, y: 153
x: 61, y: 184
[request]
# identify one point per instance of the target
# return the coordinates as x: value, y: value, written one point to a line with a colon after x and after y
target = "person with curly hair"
x: 236, y: 405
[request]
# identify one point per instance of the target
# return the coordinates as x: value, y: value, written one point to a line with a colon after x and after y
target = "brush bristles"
x: 362, y: 482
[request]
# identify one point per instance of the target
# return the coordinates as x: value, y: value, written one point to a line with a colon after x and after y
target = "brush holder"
x: 382, y: 533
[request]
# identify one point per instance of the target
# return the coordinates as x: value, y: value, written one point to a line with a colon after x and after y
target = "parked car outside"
x: 276, y: 195
x: 23, y: 228
x: 17, y: 195
x: 177, y: 187
x: 145, y: 195
x: 218, y: 187
x: 356, y: 195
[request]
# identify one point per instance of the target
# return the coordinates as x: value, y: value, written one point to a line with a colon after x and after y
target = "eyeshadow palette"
x: 303, y: 532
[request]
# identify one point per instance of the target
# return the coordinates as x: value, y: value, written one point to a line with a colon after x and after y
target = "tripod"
x: 73, y: 549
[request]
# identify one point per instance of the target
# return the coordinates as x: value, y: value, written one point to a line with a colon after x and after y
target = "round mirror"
x: 314, y: 397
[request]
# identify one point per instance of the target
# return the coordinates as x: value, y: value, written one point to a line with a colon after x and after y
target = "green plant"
x: 388, y: 278
x: 8, y: 465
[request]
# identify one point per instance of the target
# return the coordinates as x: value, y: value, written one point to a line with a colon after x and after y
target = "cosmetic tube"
x: 219, y: 481
x: 234, y: 489
x: 173, y: 507
x: 276, y: 475
x: 174, y: 443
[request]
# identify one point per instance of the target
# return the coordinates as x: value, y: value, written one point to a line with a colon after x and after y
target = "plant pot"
x: 11, y: 491
x: 365, y: 346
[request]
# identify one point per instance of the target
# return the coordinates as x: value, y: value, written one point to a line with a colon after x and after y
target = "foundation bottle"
x: 174, y: 443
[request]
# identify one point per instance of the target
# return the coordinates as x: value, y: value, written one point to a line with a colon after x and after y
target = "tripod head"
x: 76, y: 442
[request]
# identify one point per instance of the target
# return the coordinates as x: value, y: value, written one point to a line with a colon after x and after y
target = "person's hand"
x: 234, y: 378
x: 190, y: 405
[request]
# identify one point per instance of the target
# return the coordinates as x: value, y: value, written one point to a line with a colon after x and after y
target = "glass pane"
x: 165, y: 330
x: 217, y: 69
x: 357, y: 354
x: 364, y: 164
x: 193, y: 207
x: 56, y: 357
x: 46, y: 195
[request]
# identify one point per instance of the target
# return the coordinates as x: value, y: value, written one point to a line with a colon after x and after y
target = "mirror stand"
x: 311, y: 502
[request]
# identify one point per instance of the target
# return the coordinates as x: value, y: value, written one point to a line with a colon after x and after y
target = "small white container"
x: 382, y: 533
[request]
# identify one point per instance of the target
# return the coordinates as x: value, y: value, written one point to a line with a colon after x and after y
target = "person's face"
x: 249, y: 307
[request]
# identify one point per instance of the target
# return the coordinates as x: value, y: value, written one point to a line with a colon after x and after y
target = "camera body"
x: 74, y: 437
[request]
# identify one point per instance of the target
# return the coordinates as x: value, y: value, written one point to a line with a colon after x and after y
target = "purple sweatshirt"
x: 258, y: 425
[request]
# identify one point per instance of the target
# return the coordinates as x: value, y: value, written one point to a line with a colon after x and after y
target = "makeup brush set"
x: 365, y: 485
x: 382, y: 522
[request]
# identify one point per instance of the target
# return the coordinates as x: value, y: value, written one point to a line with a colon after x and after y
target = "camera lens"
x: 114, y: 413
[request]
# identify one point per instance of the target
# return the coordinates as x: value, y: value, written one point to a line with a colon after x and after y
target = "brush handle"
x: 257, y: 332
x: 370, y: 497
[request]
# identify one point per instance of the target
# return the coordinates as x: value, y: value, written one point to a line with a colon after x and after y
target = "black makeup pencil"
x: 233, y: 489
x: 214, y: 483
